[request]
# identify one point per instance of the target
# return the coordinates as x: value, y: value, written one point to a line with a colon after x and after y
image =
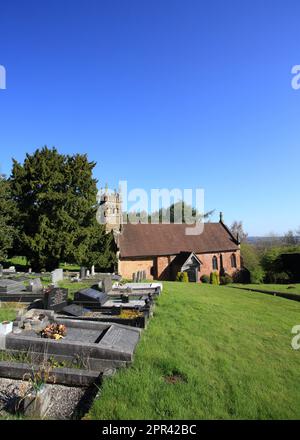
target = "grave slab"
x: 85, y: 339
x: 89, y: 295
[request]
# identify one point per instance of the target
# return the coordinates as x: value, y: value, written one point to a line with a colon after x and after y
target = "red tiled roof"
x: 144, y: 240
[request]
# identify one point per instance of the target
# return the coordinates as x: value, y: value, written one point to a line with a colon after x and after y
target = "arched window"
x: 233, y: 260
x: 215, y: 263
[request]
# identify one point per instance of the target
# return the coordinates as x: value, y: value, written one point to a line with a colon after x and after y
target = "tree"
x: 251, y: 262
x: 290, y: 239
x: 56, y: 198
x: 7, y: 211
x: 180, y: 212
x: 238, y: 231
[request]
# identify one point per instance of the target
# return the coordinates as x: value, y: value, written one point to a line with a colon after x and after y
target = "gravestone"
x: 56, y: 299
x: 1, y: 270
x: 99, y: 343
x: 93, y: 270
x: 10, y: 286
x: 35, y: 285
x: 90, y: 295
x: 82, y: 272
x: 87, y: 273
x: 106, y: 285
x: 134, y: 277
x: 56, y: 276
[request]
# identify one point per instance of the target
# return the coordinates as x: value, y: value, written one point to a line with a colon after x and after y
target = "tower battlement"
x: 111, y: 204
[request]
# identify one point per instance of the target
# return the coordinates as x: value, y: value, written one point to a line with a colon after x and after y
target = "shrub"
x: 185, y: 277
x: 182, y: 276
x: 179, y: 276
x: 251, y: 262
x: 226, y: 279
x: 205, y: 279
x: 214, y: 278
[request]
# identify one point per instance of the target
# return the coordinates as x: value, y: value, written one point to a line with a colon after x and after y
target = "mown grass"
x: 231, y: 348
x: 75, y: 286
x: 285, y: 288
x: 7, y: 312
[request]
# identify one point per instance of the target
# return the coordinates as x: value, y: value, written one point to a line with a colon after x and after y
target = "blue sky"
x: 163, y: 94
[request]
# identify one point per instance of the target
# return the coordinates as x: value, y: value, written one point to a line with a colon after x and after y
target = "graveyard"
x: 51, y: 336
x: 102, y: 348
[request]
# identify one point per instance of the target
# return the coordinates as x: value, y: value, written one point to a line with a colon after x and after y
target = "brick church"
x: 163, y: 250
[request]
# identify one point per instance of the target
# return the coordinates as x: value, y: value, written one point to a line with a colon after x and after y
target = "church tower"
x: 111, y: 209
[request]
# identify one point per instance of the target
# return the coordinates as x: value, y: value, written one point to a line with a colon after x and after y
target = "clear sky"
x: 163, y: 94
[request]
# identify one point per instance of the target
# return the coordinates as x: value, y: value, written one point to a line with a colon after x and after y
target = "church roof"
x: 143, y: 240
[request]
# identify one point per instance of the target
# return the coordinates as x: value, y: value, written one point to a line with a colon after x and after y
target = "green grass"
x: 231, y: 348
x: 285, y: 288
x: 7, y: 313
x: 70, y: 267
x: 21, y: 264
x: 75, y: 286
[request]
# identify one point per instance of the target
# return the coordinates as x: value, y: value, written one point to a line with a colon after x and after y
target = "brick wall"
x: 160, y: 266
x: 206, y: 259
x: 127, y: 267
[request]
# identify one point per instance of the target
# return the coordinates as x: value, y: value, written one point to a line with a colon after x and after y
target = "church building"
x: 163, y: 250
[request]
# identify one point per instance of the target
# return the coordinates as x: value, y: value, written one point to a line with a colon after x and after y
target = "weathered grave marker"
x: 56, y: 299
x: 35, y: 285
x: 90, y: 295
x: 56, y: 276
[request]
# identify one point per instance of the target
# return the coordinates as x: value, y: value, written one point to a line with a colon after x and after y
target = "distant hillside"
x: 257, y: 240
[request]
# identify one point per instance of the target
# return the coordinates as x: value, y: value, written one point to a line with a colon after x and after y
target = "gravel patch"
x: 64, y: 400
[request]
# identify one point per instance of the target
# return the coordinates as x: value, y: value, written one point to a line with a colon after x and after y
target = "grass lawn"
x: 230, y: 349
x: 75, y: 286
x: 285, y: 288
x: 7, y: 313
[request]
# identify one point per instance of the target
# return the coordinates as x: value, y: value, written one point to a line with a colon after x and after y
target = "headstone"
x: 30, y: 270
x: 10, y: 286
x: 82, y: 272
x: 35, y: 285
x: 12, y: 269
x: 56, y: 276
x: 87, y: 273
x: 90, y: 295
x: 138, y: 279
x: 134, y: 277
x: 56, y: 299
x: 1, y: 270
x: 93, y: 270
x: 107, y: 285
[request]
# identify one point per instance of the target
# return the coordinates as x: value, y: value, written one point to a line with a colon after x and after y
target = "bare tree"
x: 238, y: 231
x: 290, y: 238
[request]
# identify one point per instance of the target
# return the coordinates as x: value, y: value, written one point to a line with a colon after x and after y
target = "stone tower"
x: 111, y: 209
